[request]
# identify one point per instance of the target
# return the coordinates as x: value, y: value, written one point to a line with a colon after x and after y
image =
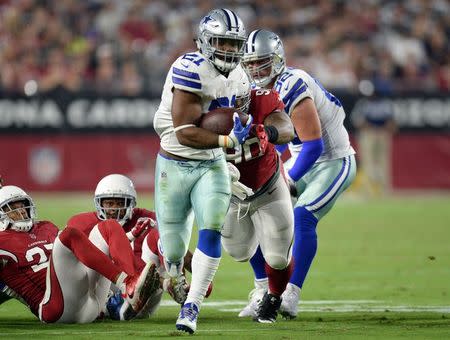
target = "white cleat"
x: 254, y: 297
x: 289, y: 303
x: 187, y: 319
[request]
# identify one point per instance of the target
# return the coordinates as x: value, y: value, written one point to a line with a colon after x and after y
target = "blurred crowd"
x: 124, y: 47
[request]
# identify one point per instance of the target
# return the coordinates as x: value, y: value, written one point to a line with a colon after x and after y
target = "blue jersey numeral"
x: 222, y: 102
x: 279, y: 84
x: 194, y: 58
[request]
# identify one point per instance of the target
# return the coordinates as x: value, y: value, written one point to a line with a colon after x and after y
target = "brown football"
x: 220, y: 120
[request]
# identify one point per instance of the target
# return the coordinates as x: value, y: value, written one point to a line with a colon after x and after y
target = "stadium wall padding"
x: 53, y: 162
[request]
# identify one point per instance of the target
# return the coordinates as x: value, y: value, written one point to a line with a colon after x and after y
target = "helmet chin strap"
x: 224, y: 66
x: 263, y: 81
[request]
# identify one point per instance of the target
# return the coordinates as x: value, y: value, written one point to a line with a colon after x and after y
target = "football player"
x: 262, y: 215
x: 322, y: 165
x: 116, y: 198
x: 191, y: 176
x: 65, y: 277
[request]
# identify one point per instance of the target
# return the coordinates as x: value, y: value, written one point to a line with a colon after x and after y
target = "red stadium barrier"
x: 78, y: 161
x: 421, y: 161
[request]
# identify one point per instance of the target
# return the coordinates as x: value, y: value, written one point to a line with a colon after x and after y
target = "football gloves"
x: 142, y: 224
x: 259, y: 131
x: 238, y: 134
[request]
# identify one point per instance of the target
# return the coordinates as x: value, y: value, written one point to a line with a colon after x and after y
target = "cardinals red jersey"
x: 257, y: 167
x: 24, y: 258
x: 87, y: 221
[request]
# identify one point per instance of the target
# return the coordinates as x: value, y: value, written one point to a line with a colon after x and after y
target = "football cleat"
x: 177, y: 287
x: 187, y: 319
x: 255, y: 298
x: 289, y: 304
x: 268, y: 308
x: 139, y: 288
x: 117, y: 308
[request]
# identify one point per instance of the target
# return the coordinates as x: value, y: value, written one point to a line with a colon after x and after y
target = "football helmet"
x: 115, y: 186
x: 218, y: 29
x: 243, y: 94
x: 8, y: 195
x: 263, y: 50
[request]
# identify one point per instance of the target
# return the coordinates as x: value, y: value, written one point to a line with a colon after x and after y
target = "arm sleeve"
x: 310, y: 152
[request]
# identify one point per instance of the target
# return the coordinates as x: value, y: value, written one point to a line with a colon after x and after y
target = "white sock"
x: 203, y: 270
x: 293, y: 288
x: 262, y: 283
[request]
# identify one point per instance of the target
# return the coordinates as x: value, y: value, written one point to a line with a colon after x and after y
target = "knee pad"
x: 276, y: 261
x: 239, y: 254
x: 175, y: 249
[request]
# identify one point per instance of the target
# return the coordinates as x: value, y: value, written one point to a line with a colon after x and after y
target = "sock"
x: 262, y: 283
x: 88, y: 254
x: 258, y: 265
x: 209, y: 242
x: 204, y: 268
x: 119, y: 246
x: 278, y: 279
x: 305, y: 244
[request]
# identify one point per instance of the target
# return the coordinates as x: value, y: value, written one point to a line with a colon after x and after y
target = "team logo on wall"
x: 45, y: 164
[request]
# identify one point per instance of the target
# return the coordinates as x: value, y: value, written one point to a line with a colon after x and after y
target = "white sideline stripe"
x: 355, y: 308
x: 339, y: 306
x: 140, y: 332
x: 244, y: 302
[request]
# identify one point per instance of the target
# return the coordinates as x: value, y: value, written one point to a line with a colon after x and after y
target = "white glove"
x: 238, y: 189
x: 234, y: 172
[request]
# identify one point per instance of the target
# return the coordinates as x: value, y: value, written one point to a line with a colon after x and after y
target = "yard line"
x: 125, y: 331
x: 339, y: 306
x: 367, y: 309
x: 304, y: 302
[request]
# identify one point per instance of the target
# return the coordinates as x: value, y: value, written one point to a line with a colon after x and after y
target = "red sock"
x: 119, y: 246
x: 278, y: 278
x: 88, y: 254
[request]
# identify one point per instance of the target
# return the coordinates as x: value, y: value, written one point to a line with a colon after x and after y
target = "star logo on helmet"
x: 207, y: 19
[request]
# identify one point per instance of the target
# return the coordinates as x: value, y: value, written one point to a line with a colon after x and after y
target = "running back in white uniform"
x: 193, y: 73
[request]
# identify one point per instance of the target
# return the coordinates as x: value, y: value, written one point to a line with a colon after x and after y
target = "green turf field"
x: 382, y: 271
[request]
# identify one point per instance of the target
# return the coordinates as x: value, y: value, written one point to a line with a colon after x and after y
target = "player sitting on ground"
x: 66, y: 277
x: 116, y: 198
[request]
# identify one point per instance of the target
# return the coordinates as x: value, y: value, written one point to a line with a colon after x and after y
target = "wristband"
x: 225, y: 142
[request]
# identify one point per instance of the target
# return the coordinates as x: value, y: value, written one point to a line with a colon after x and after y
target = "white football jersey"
x: 192, y: 72
x: 293, y: 85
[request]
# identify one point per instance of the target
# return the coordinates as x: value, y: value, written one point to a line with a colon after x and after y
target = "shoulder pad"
x: 292, y: 88
x: 190, y: 71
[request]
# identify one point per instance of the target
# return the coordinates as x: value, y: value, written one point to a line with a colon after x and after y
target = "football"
x: 220, y: 120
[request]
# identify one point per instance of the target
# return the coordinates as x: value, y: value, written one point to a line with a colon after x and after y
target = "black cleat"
x: 268, y: 308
